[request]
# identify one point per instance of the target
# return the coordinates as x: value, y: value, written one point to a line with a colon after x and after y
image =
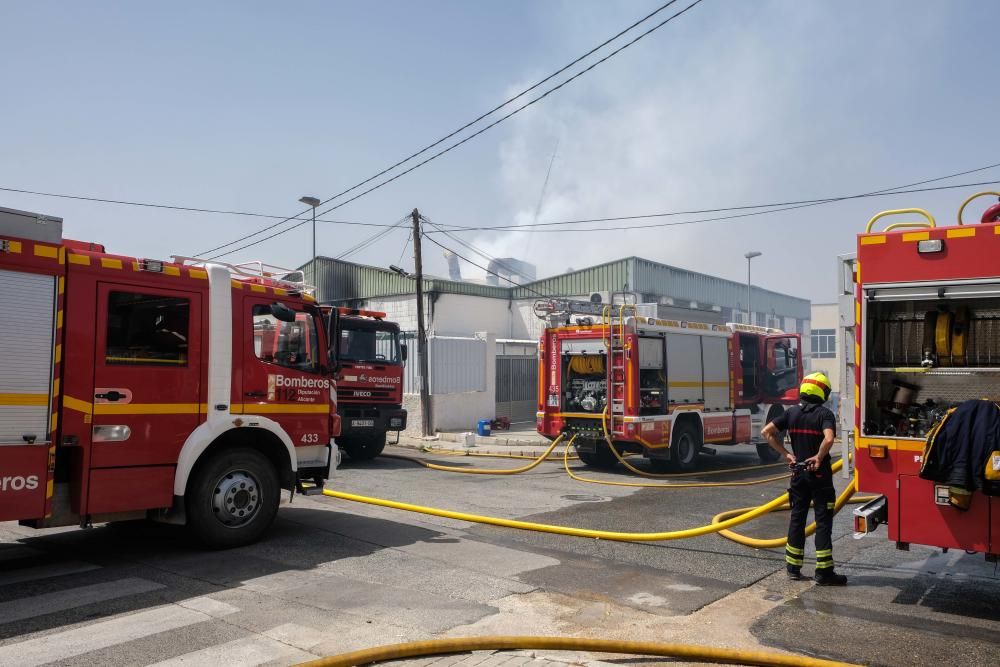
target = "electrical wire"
x: 189, y: 209
x: 453, y: 146
x: 466, y: 259
x: 478, y: 251
x: 370, y: 240
x: 405, y: 246
x: 804, y: 204
x: 823, y: 200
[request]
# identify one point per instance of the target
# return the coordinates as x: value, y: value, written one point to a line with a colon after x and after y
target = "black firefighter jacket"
x: 957, y: 451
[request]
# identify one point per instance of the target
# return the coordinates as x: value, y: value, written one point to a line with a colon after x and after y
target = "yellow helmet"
x: 816, y: 386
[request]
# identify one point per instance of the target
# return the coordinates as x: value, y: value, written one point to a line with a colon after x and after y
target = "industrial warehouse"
x: 497, y: 375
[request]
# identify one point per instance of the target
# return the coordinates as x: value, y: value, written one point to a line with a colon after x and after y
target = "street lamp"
x: 402, y: 272
x: 750, y: 255
x: 312, y: 202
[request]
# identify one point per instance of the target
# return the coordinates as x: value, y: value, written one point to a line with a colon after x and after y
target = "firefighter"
x: 811, y: 427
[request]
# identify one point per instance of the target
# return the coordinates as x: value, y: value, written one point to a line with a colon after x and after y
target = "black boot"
x: 794, y: 572
x: 827, y: 577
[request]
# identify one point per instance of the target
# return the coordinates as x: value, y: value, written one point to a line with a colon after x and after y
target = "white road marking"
x: 247, y: 652
x: 45, y: 571
x: 208, y: 606
x: 96, y: 636
x: 48, y: 603
x: 298, y: 636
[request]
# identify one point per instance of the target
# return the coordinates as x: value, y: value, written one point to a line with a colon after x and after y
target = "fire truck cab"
x: 665, y: 389
x: 927, y: 326
x: 369, y: 379
x: 181, y: 391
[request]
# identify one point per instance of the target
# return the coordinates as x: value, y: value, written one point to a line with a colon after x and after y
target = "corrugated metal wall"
x: 613, y: 276
x: 342, y: 281
x: 655, y: 278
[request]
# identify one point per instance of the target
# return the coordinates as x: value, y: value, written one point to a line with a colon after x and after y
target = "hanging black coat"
x: 959, y: 447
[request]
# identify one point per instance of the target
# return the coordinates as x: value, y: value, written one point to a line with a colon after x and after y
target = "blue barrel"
x: 484, y: 427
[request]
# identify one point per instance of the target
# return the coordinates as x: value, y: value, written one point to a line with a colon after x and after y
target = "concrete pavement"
x: 334, y: 576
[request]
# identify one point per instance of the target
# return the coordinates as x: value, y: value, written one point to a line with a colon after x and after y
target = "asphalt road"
x: 333, y: 576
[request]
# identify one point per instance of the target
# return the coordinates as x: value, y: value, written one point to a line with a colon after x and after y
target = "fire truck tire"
x: 685, y: 447
x: 602, y: 457
x: 365, y: 448
x: 232, y: 498
x: 764, y: 450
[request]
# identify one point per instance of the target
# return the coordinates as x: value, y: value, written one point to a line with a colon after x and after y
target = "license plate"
x: 363, y: 423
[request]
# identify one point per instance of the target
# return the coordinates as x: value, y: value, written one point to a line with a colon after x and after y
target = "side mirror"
x: 403, y: 352
x: 282, y: 313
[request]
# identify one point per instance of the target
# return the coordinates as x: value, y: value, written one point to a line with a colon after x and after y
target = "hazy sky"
x: 250, y: 105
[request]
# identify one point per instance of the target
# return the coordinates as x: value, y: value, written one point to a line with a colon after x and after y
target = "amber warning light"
x: 878, y: 451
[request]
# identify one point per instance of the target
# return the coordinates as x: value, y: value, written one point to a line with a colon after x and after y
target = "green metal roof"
x: 341, y: 281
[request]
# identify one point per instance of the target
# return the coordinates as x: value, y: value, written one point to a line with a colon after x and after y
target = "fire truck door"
x: 782, y: 365
x: 146, y: 396
x: 285, y: 377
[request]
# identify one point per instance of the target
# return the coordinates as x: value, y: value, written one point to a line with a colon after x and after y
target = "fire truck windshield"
x: 368, y: 342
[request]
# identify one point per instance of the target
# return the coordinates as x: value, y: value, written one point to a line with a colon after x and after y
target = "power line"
x: 472, y: 136
x: 466, y: 259
x: 803, y: 204
x: 478, y: 251
x: 190, y: 209
x: 369, y: 241
x: 730, y: 208
x: 406, y: 245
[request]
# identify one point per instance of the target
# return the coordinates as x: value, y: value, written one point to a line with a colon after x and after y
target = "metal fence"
x: 455, y: 364
x: 517, y: 387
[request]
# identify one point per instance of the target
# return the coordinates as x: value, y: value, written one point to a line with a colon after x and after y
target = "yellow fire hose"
x: 691, y: 652
x: 545, y: 456
x: 461, y: 452
x: 846, y: 496
x: 485, y: 471
x: 617, y: 536
x: 692, y: 485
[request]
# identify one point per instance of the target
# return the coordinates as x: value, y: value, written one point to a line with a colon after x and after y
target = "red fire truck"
x: 142, y: 388
x: 370, y: 381
x: 927, y: 325
x: 661, y: 388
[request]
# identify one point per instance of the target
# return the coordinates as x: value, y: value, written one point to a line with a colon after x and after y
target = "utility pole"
x: 418, y: 268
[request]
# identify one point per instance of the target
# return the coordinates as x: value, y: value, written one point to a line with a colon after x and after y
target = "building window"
x: 147, y: 330
x: 824, y: 343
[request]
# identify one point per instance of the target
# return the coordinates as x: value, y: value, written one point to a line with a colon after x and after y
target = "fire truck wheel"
x: 764, y: 450
x: 685, y: 447
x: 232, y: 498
x: 601, y: 457
x: 766, y: 454
x: 365, y: 448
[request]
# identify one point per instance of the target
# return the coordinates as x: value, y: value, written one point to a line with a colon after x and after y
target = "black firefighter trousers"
x: 816, y: 488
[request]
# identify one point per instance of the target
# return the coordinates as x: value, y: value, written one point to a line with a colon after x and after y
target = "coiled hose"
x: 617, y: 536
x: 690, y: 652
x: 545, y: 456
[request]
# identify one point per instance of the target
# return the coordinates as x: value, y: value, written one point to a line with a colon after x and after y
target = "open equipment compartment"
x: 928, y: 350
